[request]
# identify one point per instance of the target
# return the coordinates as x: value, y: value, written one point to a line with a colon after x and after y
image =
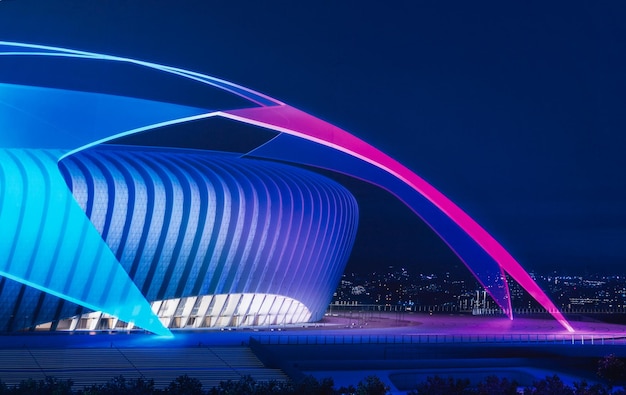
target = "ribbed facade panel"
x: 189, y: 223
x: 49, y: 246
x: 22, y: 306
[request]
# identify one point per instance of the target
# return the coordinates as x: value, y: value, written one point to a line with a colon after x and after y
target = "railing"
x: 451, y: 308
x: 337, y: 308
x: 514, y: 338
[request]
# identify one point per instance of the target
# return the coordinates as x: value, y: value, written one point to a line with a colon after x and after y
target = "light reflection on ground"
x: 459, y: 328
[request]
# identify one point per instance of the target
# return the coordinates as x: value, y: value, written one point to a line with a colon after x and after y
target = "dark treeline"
x: 611, y: 370
x: 185, y: 385
x: 371, y: 385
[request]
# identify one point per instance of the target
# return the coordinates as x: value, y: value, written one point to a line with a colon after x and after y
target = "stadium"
x: 138, y: 195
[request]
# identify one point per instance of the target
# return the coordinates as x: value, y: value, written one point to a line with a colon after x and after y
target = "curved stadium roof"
x: 66, y: 115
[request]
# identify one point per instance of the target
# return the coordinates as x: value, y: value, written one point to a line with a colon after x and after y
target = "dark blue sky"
x: 514, y: 111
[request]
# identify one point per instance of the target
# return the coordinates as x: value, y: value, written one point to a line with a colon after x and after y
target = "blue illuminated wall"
x: 48, y: 243
x: 185, y: 223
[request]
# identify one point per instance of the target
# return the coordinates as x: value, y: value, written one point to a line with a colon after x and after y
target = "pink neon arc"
x: 289, y: 120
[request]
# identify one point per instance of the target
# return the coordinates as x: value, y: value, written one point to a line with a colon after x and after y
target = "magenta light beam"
x: 289, y: 120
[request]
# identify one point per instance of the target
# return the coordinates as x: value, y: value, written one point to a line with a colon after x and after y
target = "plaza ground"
x: 401, y: 349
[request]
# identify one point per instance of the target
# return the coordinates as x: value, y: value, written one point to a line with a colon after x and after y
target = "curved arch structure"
x: 66, y: 121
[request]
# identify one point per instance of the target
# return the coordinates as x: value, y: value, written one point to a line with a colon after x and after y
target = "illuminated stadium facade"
x: 104, y: 232
x: 212, y: 240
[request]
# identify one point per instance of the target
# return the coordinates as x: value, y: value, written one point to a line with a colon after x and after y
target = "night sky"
x: 514, y: 111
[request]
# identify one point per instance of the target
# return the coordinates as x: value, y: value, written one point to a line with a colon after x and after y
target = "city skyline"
x: 402, y: 289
